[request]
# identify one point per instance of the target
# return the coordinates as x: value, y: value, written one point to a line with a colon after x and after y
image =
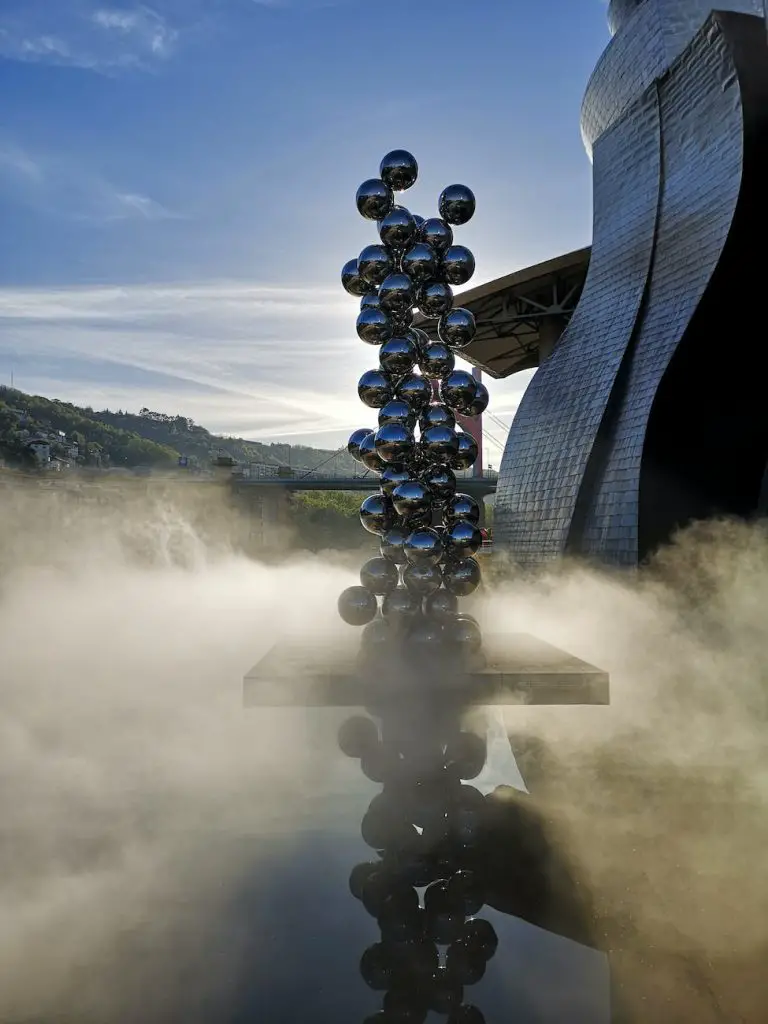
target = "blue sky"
x: 177, y: 186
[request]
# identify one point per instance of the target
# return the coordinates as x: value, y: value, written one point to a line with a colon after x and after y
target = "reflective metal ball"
x: 434, y: 299
x: 466, y: 452
x: 399, y: 607
x: 422, y: 579
x: 379, y: 575
x: 420, y: 337
x: 480, y: 401
x: 438, y: 444
x: 396, y: 294
x: 425, y: 546
x: 457, y: 204
x: 462, y: 578
x: 392, y: 477
x: 394, y: 442
x: 464, y: 633
x: 398, y: 229
x: 393, y: 545
x: 420, y: 262
x: 425, y: 636
x: 461, y: 506
x: 368, y: 454
x: 458, y: 264
x: 441, y: 605
x: 415, y: 390
x: 397, y: 411
x: 374, y: 264
x: 357, y: 606
x: 353, y: 283
x: 462, y: 539
x: 437, y: 233
x: 441, y: 482
x: 437, y: 415
x: 375, y: 389
x: 374, y: 199
x: 457, y: 390
x: 412, y: 499
x: 355, y: 440
x: 398, y: 356
x: 436, y: 360
x: 457, y: 328
x: 370, y: 301
x: 374, y: 326
x: 376, y: 514
x: 399, y: 170
x: 377, y: 635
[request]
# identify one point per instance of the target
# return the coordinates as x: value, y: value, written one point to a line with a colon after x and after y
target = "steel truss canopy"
x: 520, y: 317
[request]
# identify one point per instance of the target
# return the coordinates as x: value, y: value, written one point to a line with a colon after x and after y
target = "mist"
x: 137, y: 796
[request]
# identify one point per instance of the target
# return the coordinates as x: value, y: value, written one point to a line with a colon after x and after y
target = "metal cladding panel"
x: 555, y: 427
x: 701, y: 117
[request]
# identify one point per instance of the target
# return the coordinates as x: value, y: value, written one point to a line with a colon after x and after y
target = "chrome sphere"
x: 374, y: 389
x: 393, y: 545
x: 462, y: 539
x: 437, y: 415
x: 480, y: 401
x: 438, y: 444
x: 441, y: 605
x: 436, y: 360
x: 420, y: 262
x: 456, y: 204
x: 392, y: 477
x: 437, y: 233
x: 422, y: 579
x: 353, y: 283
x: 370, y: 301
x: 397, y: 411
x: 462, y: 578
x: 415, y: 390
x: 357, y: 606
x: 398, y: 356
x: 424, y: 546
x: 461, y: 506
x: 399, y: 170
x: 399, y: 607
x: 355, y: 440
x: 396, y: 294
x: 368, y: 454
x: 377, y: 636
x: 457, y: 390
x: 466, y: 452
x: 394, y: 442
x: 398, y: 229
x: 420, y: 337
x: 376, y: 514
x: 457, y: 328
x: 434, y: 299
x: 374, y: 264
x: 458, y: 264
x: 441, y: 482
x: 464, y: 634
x: 374, y: 326
x: 374, y: 199
x: 425, y: 637
x: 412, y: 499
x: 379, y: 575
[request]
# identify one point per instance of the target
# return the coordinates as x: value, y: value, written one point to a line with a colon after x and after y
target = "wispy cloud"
x: 78, y: 34
x: 240, y: 357
x: 62, y: 187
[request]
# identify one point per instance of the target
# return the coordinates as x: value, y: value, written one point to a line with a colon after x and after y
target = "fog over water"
x: 137, y: 797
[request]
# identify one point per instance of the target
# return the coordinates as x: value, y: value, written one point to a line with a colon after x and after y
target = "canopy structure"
x: 520, y: 317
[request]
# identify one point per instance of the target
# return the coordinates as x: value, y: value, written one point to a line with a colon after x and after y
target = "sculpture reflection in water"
x: 408, y: 597
x: 427, y: 827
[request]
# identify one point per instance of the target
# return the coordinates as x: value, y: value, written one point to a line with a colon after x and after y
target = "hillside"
x: 148, y: 439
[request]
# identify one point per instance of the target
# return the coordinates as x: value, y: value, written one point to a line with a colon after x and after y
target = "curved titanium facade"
x: 639, y: 421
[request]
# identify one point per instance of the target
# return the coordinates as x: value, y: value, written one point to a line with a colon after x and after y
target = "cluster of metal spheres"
x: 427, y: 828
x: 429, y: 530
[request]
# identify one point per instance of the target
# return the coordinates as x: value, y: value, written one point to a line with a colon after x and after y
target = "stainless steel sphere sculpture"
x: 428, y: 529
